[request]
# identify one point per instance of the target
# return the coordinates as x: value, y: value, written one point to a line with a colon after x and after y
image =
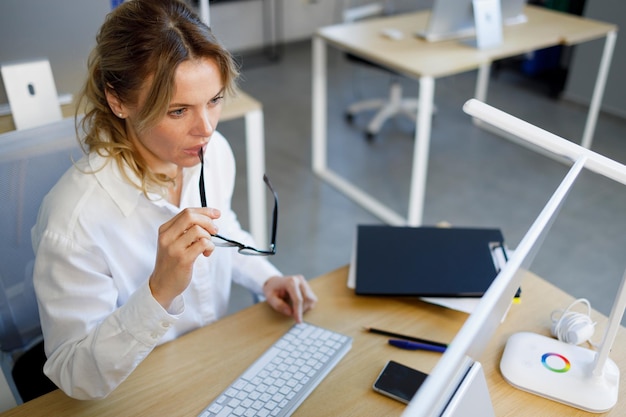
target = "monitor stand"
x: 559, y: 371
x: 471, y: 394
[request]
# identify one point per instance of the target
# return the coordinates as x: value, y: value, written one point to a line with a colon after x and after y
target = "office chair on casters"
x: 31, y: 161
x: 395, y: 103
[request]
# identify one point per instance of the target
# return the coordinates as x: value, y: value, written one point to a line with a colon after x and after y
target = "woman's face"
x: 191, y: 118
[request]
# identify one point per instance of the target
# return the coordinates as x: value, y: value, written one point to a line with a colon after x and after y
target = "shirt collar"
x: 126, y: 196
x: 110, y: 177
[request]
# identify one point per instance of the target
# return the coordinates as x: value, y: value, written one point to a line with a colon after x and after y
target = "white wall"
x: 62, y: 31
x: 239, y: 24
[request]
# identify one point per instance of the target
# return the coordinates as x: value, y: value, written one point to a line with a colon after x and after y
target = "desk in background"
x: 427, y: 61
x: 181, y: 377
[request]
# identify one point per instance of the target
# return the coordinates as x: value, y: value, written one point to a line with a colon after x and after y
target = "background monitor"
x: 453, y: 19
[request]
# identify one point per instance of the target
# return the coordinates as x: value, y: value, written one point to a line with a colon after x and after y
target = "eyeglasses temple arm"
x: 202, y: 192
x: 275, y: 213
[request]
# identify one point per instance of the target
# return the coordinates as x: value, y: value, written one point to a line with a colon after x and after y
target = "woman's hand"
x: 290, y: 295
x: 181, y: 241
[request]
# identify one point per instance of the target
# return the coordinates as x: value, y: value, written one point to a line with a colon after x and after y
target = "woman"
x: 124, y: 256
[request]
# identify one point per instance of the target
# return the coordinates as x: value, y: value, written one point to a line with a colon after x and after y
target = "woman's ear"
x: 116, y: 106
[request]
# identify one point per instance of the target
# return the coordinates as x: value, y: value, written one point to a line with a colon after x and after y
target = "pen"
x: 406, y: 344
x: 401, y: 336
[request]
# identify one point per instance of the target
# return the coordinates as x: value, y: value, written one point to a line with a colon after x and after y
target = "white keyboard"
x: 284, y: 375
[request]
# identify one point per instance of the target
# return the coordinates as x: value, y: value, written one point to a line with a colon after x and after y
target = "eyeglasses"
x: 219, y: 240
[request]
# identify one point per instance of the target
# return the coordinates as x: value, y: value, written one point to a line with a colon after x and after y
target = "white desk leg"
x: 420, y: 153
x: 598, y: 90
x: 320, y: 141
x: 482, y: 86
x: 319, y: 115
x: 482, y: 83
x: 255, y: 159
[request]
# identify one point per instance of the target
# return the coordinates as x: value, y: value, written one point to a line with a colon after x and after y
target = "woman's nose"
x: 204, y: 126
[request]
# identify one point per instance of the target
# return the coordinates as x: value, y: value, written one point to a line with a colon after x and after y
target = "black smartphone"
x: 399, y: 381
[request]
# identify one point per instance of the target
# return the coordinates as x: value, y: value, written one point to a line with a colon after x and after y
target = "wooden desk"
x: 240, y: 106
x: 181, y: 377
x: 427, y: 61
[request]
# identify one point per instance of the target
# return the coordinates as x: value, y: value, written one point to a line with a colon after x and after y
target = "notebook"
x: 426, y: 261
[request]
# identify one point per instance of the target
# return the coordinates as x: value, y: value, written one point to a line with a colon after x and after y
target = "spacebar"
x: 260, y: 363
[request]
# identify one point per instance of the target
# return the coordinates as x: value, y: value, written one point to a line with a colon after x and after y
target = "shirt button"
x: 154, y: 335
x: 165, y: 324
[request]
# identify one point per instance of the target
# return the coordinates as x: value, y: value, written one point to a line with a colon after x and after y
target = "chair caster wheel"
x: 369, y: 136
x: 349, y: 118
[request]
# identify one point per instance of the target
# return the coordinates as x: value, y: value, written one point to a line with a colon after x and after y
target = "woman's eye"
x: 177, y: 112
x: 217, y: 100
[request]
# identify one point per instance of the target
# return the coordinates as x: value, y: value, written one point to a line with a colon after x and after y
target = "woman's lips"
x: 195, y: 150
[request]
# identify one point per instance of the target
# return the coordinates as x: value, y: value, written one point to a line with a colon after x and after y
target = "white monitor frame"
x: 440, y: 388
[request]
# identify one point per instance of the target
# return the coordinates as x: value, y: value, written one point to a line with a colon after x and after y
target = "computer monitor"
x: 453, y: 19
x: 457, y: 382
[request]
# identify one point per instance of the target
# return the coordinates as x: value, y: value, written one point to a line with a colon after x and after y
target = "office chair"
x: 395, y: 103
x: 31, y: 161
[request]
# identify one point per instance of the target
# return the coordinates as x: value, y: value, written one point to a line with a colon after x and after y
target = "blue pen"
x: 405, y: 344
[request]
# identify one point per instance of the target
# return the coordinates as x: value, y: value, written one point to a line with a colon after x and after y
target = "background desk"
x: 427, y: 61
x: 181, y: 377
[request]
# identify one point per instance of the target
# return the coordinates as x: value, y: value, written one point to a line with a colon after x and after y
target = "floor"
x: 474, y: 177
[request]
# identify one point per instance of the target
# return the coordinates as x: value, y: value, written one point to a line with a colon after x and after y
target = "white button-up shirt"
x: 96, y: 242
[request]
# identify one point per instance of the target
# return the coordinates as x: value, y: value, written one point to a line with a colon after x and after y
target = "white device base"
x: 559, y: 371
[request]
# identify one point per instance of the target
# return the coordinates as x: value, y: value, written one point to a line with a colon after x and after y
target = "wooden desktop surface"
x: 417, y: 57
x: 181, y: 377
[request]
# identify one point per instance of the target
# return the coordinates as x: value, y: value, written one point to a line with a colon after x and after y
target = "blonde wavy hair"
x: 142, y: 40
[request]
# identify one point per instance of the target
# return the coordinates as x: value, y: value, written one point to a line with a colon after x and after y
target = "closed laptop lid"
x: 32, y: 93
